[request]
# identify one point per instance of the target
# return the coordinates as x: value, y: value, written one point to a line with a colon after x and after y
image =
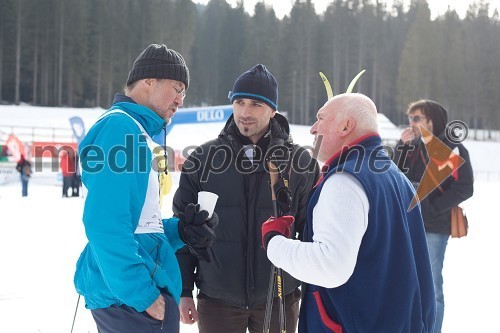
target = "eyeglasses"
x: 180, y: 91
x: 415, y: 119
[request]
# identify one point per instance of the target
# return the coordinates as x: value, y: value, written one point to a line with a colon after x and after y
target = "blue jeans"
x: 24, y: 183
x: 436, y: 244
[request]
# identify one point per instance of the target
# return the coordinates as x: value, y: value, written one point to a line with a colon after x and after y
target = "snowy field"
x: 42, y: 237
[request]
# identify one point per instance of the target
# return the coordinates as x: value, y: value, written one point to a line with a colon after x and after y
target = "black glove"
x: 196, y: 231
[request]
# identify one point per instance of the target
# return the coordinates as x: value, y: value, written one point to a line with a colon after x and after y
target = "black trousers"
x: 67, y: 181
x: 75, y: 185
x: 217, y: 317
x: 124, y: 319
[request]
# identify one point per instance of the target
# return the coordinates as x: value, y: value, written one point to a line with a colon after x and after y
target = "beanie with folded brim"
x: 258, y: 84
x: 159, y: 62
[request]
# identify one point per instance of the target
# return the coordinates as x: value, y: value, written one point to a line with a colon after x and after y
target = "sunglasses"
x: 415, y: 119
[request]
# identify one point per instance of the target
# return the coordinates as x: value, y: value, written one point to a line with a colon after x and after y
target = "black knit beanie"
x: 257, y: 83
x: 159, y: 62
x: 438, y: 115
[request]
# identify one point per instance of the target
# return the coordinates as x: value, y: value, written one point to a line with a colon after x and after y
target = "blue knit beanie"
x: 257, y: 83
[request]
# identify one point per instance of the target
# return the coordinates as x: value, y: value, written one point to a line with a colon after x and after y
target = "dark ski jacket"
x: 24, y: 168
x: 458, y: 187
x: 241, y: 275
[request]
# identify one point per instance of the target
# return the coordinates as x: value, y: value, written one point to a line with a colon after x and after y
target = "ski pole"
x: 269, y: 303
x: 280, y: 285
x: 276, y: 273
x: 74, y: 317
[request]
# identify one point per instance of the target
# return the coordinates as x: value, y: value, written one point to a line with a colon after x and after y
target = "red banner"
x: 16, y: 147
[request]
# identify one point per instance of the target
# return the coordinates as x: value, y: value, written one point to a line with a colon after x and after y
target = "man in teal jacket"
x: 128, y: 272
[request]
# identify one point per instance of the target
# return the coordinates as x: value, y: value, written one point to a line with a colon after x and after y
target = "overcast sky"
x: 283, y: 7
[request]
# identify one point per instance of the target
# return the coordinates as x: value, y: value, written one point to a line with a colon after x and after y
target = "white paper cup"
x: 207, y: 201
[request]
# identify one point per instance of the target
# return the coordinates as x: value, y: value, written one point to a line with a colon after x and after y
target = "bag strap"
x: 430, y: 173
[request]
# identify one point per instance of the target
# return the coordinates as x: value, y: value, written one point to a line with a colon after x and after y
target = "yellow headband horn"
x: 353, y: 82
x: 328, y: 87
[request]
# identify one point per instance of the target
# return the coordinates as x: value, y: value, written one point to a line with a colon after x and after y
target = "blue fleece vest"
x: 391, y: 287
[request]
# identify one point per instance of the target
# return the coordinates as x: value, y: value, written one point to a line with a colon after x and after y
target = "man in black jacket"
x: 233, y: 285
x: 412, y: 155
x: 24, y: 168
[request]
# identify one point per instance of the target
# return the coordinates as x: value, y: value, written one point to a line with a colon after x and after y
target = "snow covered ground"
x: 41, y: 239
x: 42, y: 236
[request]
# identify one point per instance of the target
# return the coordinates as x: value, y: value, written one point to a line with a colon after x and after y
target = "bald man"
x: 364, y: 258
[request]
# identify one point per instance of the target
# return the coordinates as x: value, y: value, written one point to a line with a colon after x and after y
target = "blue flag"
x: 78, y: 128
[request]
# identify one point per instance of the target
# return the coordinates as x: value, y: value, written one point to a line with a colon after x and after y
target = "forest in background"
x: 78, y: 53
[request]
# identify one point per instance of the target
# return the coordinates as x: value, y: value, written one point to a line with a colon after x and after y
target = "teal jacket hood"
x: 152, y: 123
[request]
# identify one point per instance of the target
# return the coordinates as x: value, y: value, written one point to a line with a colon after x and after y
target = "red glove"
x: 276, y: 226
